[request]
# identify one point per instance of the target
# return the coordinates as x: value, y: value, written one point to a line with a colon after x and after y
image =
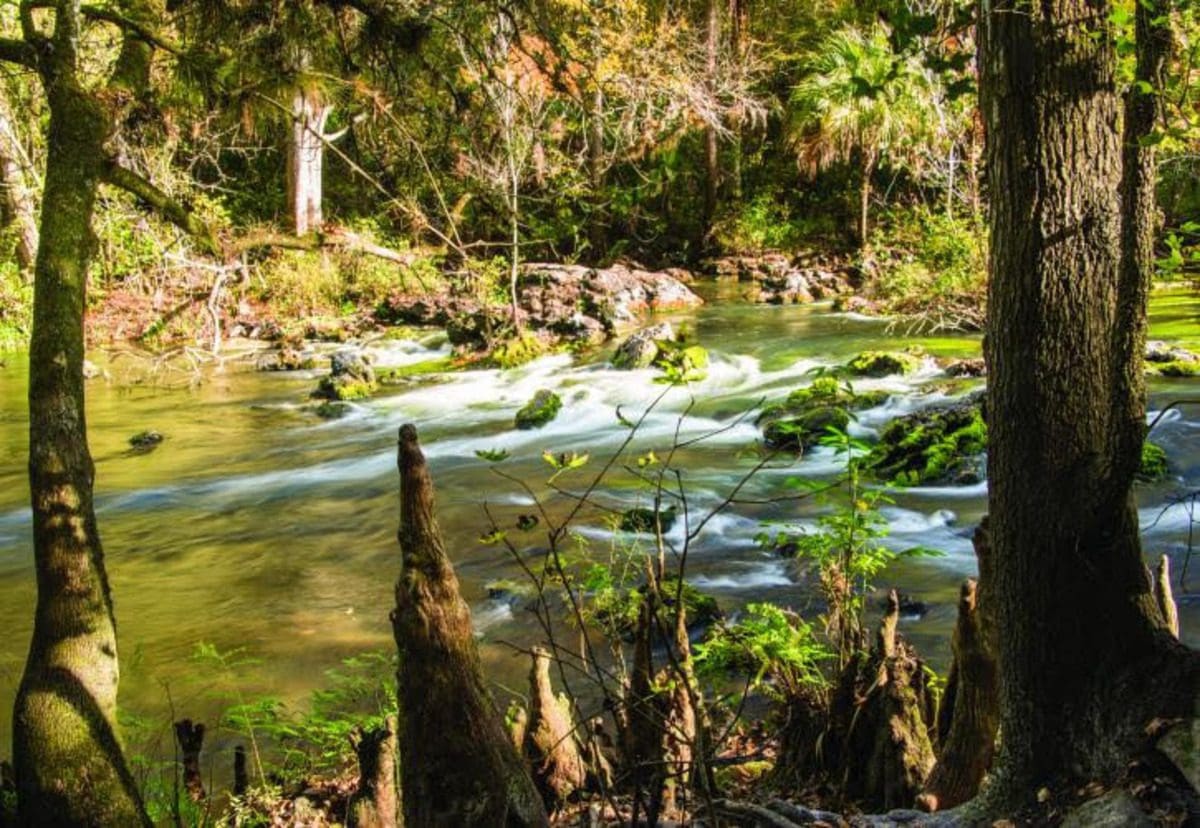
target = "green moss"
x: 1179, y: 368
x: 1154, y: 462
x: 540, y: 410
x: 502, y: 589
x: 517, y: 351
x: 882, y: 364
x: 395, y: 376
x: 345, y: 389
x: 802, y: 419
x: 933, y: 446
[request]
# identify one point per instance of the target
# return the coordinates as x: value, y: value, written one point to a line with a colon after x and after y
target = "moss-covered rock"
x: 643, y: 520
x: 514, y: 352
x: 350, y: 377
x: 882, y: 364
x: 1153, y: 464
x: 641, y: 349
x: 936, y: 445
x: 1178, y: 368
x: 401, y: 374
x: 540, y: 410
x: 802, y: 419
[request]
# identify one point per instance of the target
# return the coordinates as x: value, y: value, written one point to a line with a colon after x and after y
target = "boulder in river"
x: 145, y: 441
x: 641, y: 348
x: 286, y: 358
x: 803, y: 418
x: 540, y: 410
x: 350, y: 377
x: 882, y: 364
x: 1165, y: 360
x: 780, y: 279
x: 973, y: 367
x: 640, y: 519
x: 942, y: 444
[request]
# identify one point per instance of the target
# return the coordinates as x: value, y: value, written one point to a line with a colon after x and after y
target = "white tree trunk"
x: 16, y: 180
x: 306, y: 152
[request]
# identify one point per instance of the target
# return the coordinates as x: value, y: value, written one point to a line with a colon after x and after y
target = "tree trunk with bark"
x: 306, y: 154
x: 70, y: 767
x: 458, y: 764
x: 1065, y: 413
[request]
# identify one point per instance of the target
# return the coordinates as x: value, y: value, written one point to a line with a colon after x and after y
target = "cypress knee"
x: 191, y: 740
x: 375, y: 804
x: 549, y: 739
x: 458, y: 765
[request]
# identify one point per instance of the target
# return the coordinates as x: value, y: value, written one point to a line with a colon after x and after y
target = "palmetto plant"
x: 859, y: 100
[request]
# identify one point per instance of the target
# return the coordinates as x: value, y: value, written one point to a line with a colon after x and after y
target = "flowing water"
x: 257, y: 525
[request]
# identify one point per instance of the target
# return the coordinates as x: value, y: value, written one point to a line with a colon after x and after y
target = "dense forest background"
x: 463, y: 136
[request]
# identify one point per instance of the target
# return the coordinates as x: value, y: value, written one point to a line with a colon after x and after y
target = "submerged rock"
x: 641, y: 349
x: 643, y: 520
x: 145, y: 441
x: 350, y: 377
x: 540, y: 410
x: 620, y: 611
x: 882, y: 364
x: 942, y: 444
x: 974, y: 367
x: 804, y: 417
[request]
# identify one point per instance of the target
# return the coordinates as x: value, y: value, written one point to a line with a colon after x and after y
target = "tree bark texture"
x: 1070, y: 590
x: 459, y: 766
x: 69, y: 763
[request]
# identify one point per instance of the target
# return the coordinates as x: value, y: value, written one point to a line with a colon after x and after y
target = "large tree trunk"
x: 306, y: 153
x: 458, y: 765
x: 16, y: 180
x: 69, y: 764
x: 1071, y: 592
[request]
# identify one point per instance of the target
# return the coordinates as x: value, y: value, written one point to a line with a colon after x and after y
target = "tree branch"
x: 170, y: 209
x: 140, y: 30
x: 13, y: 50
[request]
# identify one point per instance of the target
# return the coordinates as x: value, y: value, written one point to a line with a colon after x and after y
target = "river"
x: 258, y: 525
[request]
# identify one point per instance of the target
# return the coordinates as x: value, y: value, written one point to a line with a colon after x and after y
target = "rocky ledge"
x: 780, y: 279
x: 563, y: 303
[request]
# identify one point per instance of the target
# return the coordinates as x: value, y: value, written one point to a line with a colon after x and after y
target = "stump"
x: 458, y: 765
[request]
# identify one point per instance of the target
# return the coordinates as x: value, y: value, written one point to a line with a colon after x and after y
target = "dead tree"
x: 458, y: 764
x: 376, y: 803
x: 549, y: 740
x: 191, y: 740
x: 970, y: 710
